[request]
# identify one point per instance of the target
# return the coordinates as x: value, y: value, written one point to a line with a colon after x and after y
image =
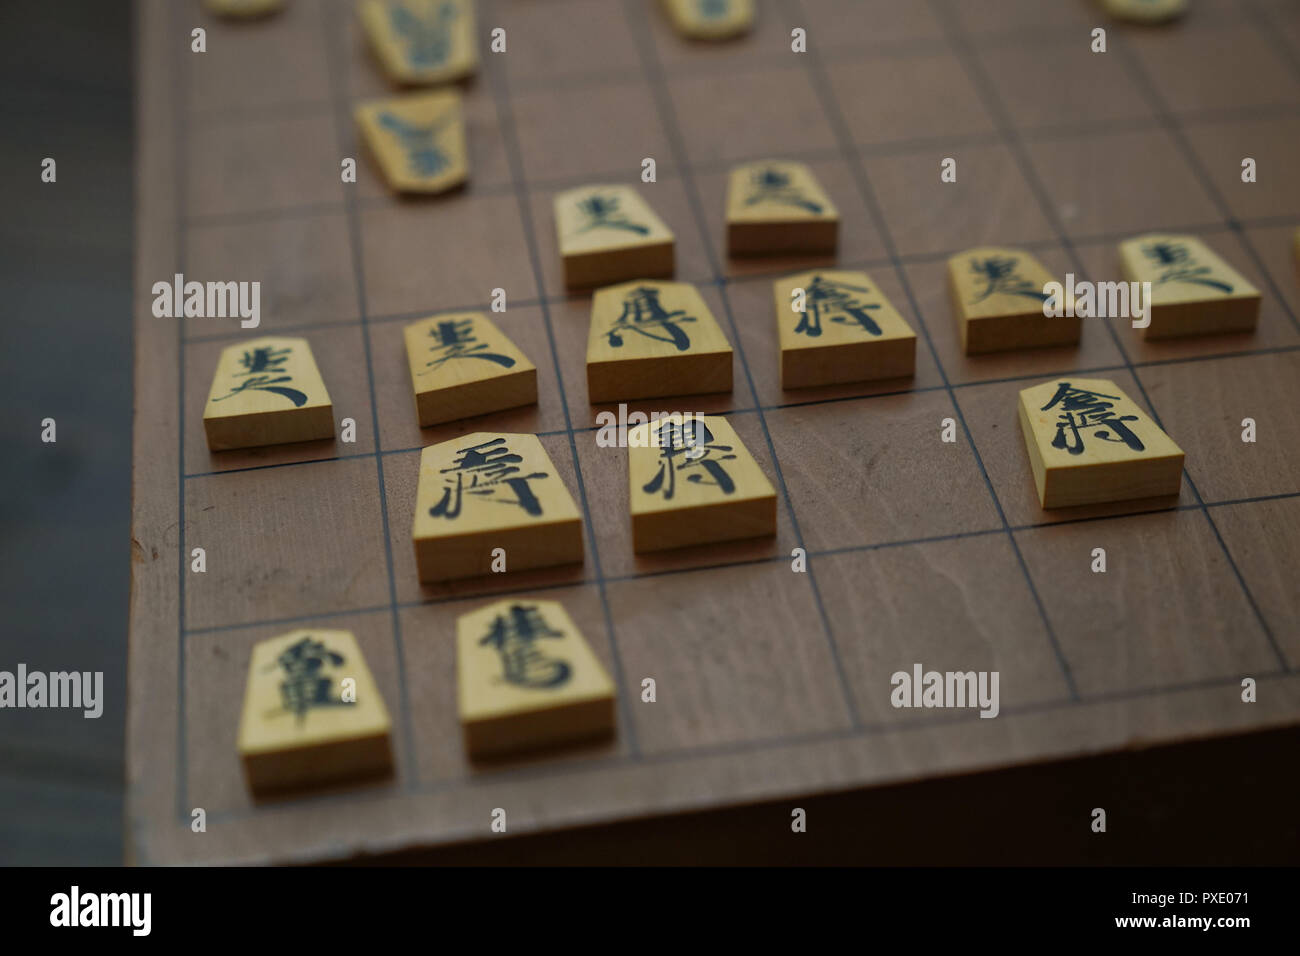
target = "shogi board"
x: 773, y: 686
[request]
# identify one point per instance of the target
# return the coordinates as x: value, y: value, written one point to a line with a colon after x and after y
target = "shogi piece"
x: 463, y: 365
x: 997, y: 297
x: 486, y: 491
x: 421, y: 42
x: 650, y: 339
x: 693, y: 481
x: 1145, y: 11
x: 775, y: 207
x: 312, y: 713
x: 710, y: 19
x: 418, y: 140
x: 267, y: 392
x: 528, y: 679
x: 1090, y: 443
x: 847, y: 331
x: 609, y: 234
x: 243, y: 9
x: 1193, y: 291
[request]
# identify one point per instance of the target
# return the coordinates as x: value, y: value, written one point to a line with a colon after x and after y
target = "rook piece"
x: 846, y: 331
x: 997, y: 296
x: 418, y: 140
x: 692, y: 481
x: 463, y: 365
x: 302, y: 724
x: 710, y: 19
x: 650, y: 339
x: 487, y: 491
x: 1193, y: 291
x: 1090, y: 443
x: 528, y: 679
x: 778, y: 207
x: 267, y: 392
x: 421, y: 41
x: 608, y: 234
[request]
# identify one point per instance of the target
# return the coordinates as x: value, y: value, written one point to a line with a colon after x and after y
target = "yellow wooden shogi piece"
x: 777, y: 207
x: 1090, y: 443
x: 710, y: 19
x: 836, y: 327
x: 422, y: 42
x: 243, y: 9
x: 692, y: 481
x: 528, y: 679
x: 650, y: 339
x: 1145, y: 11
x: 608, y: 233
x: 1193, y: 291
x: 267, y: 391
x: 463, y: 365
x: 418, y: 140
x: 488, y: 499
x: 312, y: 713
x: 997, y: 296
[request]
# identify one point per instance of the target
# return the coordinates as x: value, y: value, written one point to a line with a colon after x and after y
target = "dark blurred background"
x: 65, y: 284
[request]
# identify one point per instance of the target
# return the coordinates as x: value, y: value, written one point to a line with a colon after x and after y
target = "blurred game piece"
x: 492, y: 492
x: 463, y: 365
x: 312, y: 713
x: 710, y: 19
x: 267, y: 391
x: 997, y: 297
x: 1090, y: 443
x: 651, y: 338
x: 835, y: 327
x: 418, y: 140
x: 243, y: 9
x: 692, y: 481
x: 1193, y: 291
x: 777, y: 207
x: 1145, y: 11
x: 528, y: 679
x: 608, y: 234
x: 422, y: 42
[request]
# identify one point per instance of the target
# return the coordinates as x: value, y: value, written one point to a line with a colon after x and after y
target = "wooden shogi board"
x: 773, y: 686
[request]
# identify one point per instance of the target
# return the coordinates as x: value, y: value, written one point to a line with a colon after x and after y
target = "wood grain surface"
x: 773, y: 687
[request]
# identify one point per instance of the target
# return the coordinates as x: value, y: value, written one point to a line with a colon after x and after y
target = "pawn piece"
x: 421, y: 41
x: 777, y: 207
x: 528, y: 679
x: 312, y: 713
x: 653, y: 338
x: 1193, y: 291
x: 243, y: 9
x: 710, y: 19
x: 463, y: 365
x: 418, y: 140
x: 267, y: 391
x: 997, y: 296
x: 693, y: 481
x: 609, y: 234
x: 837, y: 327
x: 1145, y: 11
x: 1090, y: 443
x: 492, y: 492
